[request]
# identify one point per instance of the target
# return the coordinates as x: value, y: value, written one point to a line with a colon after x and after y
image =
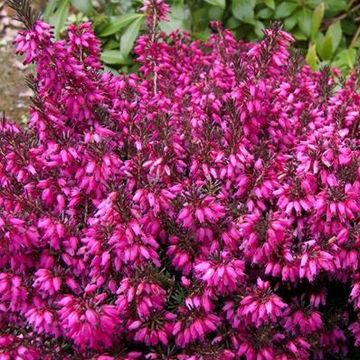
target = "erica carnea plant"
x: 205, y: 208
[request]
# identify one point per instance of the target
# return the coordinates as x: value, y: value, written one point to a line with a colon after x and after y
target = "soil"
x: 14, y: 94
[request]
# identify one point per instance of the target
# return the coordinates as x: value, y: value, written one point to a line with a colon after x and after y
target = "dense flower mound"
x: 205, y: 208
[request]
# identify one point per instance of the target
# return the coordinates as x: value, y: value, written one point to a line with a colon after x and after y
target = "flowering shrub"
x: 206, y: 208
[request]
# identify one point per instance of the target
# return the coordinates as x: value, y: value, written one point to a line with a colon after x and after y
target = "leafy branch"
x: 25, y: 13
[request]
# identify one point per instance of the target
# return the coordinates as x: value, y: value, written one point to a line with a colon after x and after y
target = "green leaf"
x: 129, y: 36
x: 304, y: 21
x: 327, y: 45
x: 114, y: 57
x: 117, y: 23
x: 258, y: 28
x: 311, y: 57
x: 200, y: 20
x: 317, y: 18
x: 111, y: 70
x: 265, y: 13
x: 299, y: 35
x: 218, y: 3
x: 49, y: 10
x: 345, y: 59
x: 324, y: 46
x: 290, y: 22
x: 201, y: 35
x: 311, y: 3
x: 285, y: 9
x: 232, y: 23
x: 112, y: 44
x: 335, y: 33
x: 177, y: 19
x: 335, y: 6
x: 243, y: 9
x: 270, y: 4
x: 58, y: 19
x: 82, y: 5
x: 216, y: 13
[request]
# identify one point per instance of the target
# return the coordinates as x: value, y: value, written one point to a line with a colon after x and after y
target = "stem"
x: 154, y: 24
x: 354, y: 39
x: 344, y: 15
x: 24, y: 12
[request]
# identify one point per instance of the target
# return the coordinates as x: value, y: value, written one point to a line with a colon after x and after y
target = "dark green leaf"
x: 202, y: 35
x: 58, y: 19
x: 117, y: 23
x: 232, y: 23
x: 216, y: 13
x: 311, y: 3
x: 111, y: 70
x: 290, y: 22
x: 177, y: 19
x: 50, y: 8
x: 285, y: 9
x: 317, y: 18
x: 335, y: 6
x: 324, y: 47
x: 348, y: 27
x: 335, y: 33
x: 112, y: 44
x: 258, y: 28
x: 200, y: 19
x: 128, y: 38
x: 345, y: 59
x: 83, y: 5
x: 243, y: 9
x: 299, y: 35
x: 270, y: 4
x: 304, y: 21
x: 218, y: 3
x: 114, y: 57
x: 265, y: 13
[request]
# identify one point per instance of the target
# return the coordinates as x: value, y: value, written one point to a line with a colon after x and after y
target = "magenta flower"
x: 262, y: 306
x: 205, y: 207
x: 223, y: 273
x: 193, y: 325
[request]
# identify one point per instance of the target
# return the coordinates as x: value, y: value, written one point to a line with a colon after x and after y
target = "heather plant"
x: 204, y: 208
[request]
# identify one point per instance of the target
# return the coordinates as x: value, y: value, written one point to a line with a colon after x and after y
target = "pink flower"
x: 209, y: 211
x: 88, y: 323
x: 340, y: 202
x: 222, y: 273
x: 261, y: 235
x: 145, y: 296
x: 262, y: 306
x: 155, y: 10
x: 47, y: 282
x: 154, y: 330
x: 205, y: 206
x: 313, y: 260
x: 304, y: 322
x: 193, y: 325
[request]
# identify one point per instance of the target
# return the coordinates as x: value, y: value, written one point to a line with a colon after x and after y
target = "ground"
x: 14, y: 94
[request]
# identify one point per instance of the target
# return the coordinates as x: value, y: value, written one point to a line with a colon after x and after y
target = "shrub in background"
x: 327, y: 31
x: 205, y: 208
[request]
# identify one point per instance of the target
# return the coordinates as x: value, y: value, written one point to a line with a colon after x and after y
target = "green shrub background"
x: 327, y: 32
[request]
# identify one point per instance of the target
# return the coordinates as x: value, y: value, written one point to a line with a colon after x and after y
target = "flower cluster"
x: 204, y: 208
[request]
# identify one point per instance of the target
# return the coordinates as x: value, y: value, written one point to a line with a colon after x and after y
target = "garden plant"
x: 204, y: 208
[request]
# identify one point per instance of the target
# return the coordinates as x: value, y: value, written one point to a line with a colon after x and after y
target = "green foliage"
x: 117, y: 23
x: 327, y: 31
x: 129, y: 36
